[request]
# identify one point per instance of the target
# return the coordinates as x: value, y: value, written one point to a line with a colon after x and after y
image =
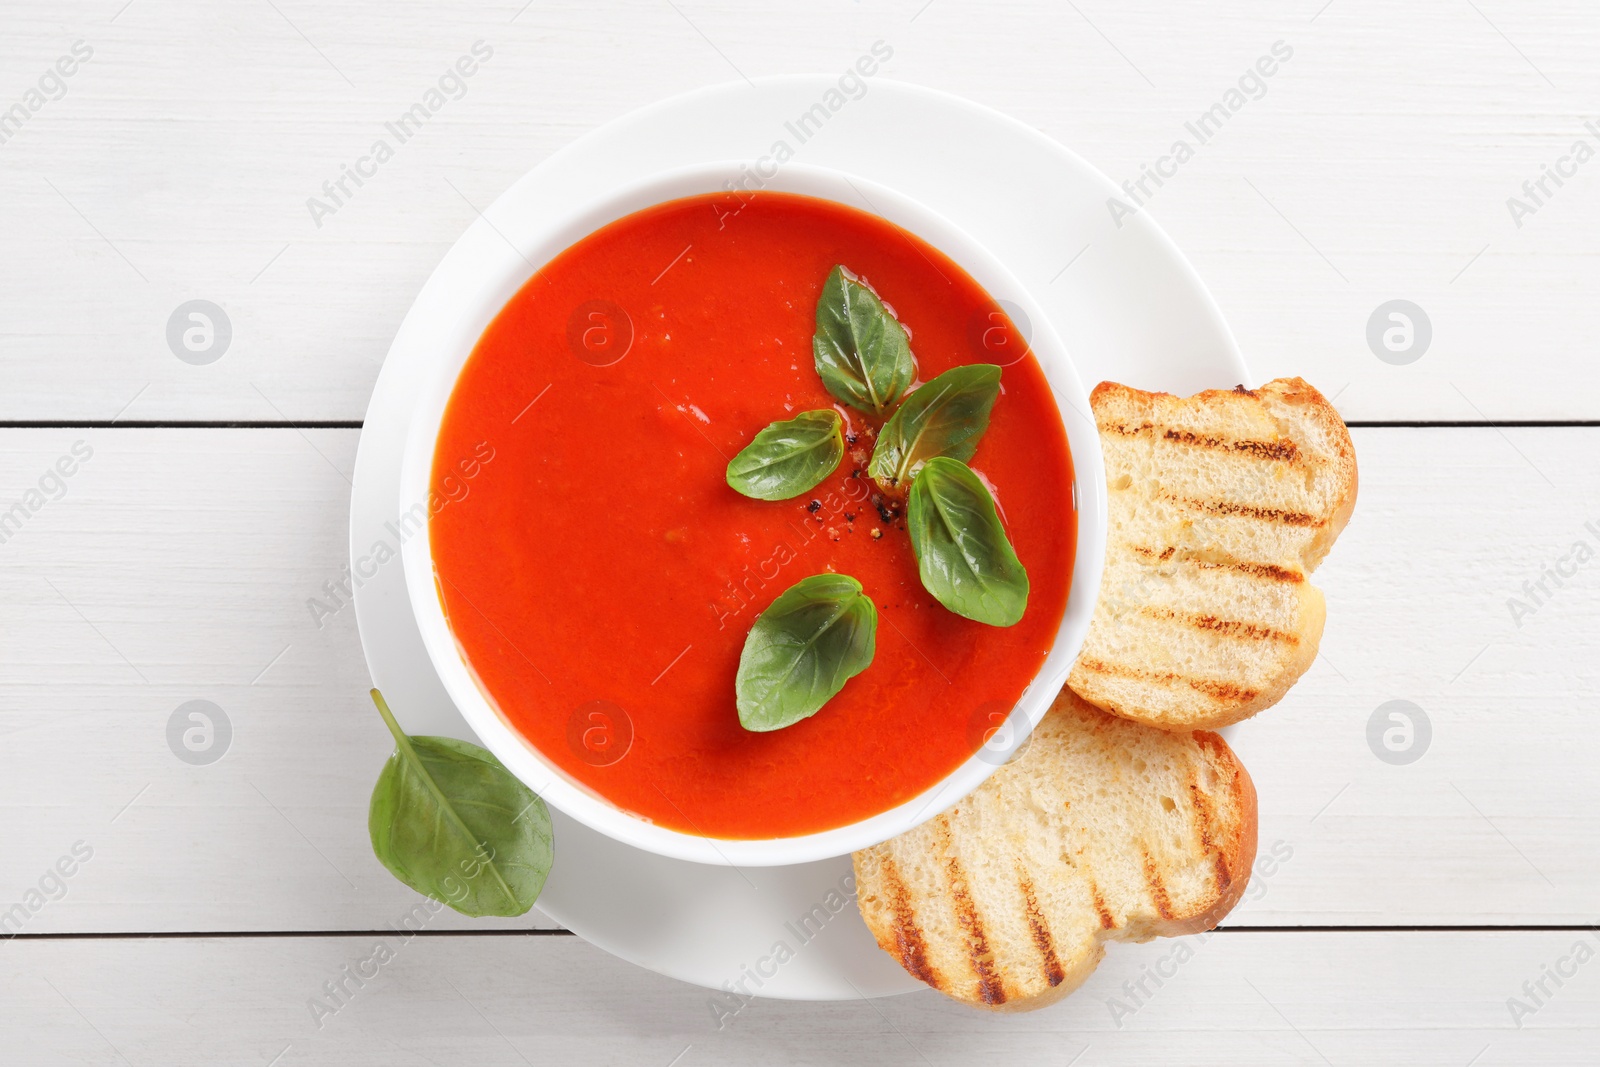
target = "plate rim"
x: 390, y: 379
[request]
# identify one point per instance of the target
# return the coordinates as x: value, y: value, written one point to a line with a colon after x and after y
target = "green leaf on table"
x: 819, y: 633
x: 451, y: 822
x: 789, y: 458
x: 861, y: 351
x: 944, y: 417
x: 963, y: 555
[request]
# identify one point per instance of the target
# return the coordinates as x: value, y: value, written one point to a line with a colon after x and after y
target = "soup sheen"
x: 600, y: 576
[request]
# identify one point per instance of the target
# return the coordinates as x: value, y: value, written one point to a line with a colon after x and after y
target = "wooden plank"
x: 1231, y: 999
x: 176, y: 567
x: 178, y: 564
x: 1370, y: 169
x: 1449, y: 526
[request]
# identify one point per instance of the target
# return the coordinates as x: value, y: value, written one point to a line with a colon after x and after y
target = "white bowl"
x: 481, y: 298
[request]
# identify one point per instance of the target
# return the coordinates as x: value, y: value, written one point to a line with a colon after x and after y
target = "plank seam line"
x: 356, y: 424
x: 242, y: 934
x: 1465, y: 424
x: 169, y: 935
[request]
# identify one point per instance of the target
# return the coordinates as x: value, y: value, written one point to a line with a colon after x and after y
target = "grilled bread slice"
x: 1099, y: 830
x: 1220, y: 505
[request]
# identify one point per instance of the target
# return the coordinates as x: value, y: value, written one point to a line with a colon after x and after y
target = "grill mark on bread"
x: 1158, y: 888
x: 1228, y: 692
x: 1221, y: 691
x: 1283, y: 451
x: 1205, y: 820
x: 1126, y: 431
x: 1244, y: 631
x: 1054, y: 973
x: 1269, y: 571
x: 991, y: 990
x: 909, y: 946
x: 1107, y: 922
x: 1250, y: 511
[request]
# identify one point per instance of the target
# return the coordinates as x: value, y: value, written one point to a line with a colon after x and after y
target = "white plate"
x: 1126, y: 302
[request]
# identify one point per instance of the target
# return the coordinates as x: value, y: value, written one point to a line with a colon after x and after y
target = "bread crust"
x: 1239, y: 851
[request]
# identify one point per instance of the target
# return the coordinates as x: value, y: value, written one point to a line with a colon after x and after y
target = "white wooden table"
x: 206, y: 904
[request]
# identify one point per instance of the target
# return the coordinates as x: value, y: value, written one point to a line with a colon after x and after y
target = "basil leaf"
x: 451, y: 822
x: 818, y: 634
x: 963, y: 555
x: 861, y: 351
x: 944, y: 417
x: 788, y: 458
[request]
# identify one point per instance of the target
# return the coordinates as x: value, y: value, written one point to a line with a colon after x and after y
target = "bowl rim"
x: 535, y: 241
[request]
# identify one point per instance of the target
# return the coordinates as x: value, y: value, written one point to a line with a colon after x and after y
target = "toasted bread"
x: 1220, y: 505
x: 1100, y: 829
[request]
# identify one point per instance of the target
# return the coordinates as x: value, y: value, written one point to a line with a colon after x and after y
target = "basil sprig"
x: 451, y: 822
x: 788, y: 458
x: 819, y: 633
x: 822, y: 631
x: 944, y: 417
x: 963, y: 555
x: 861, y: 351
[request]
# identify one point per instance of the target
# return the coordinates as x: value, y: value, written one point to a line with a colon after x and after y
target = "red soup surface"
x: 601, y: 576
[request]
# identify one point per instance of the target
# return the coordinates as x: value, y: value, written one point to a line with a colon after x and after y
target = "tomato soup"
x: 600, y: 575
